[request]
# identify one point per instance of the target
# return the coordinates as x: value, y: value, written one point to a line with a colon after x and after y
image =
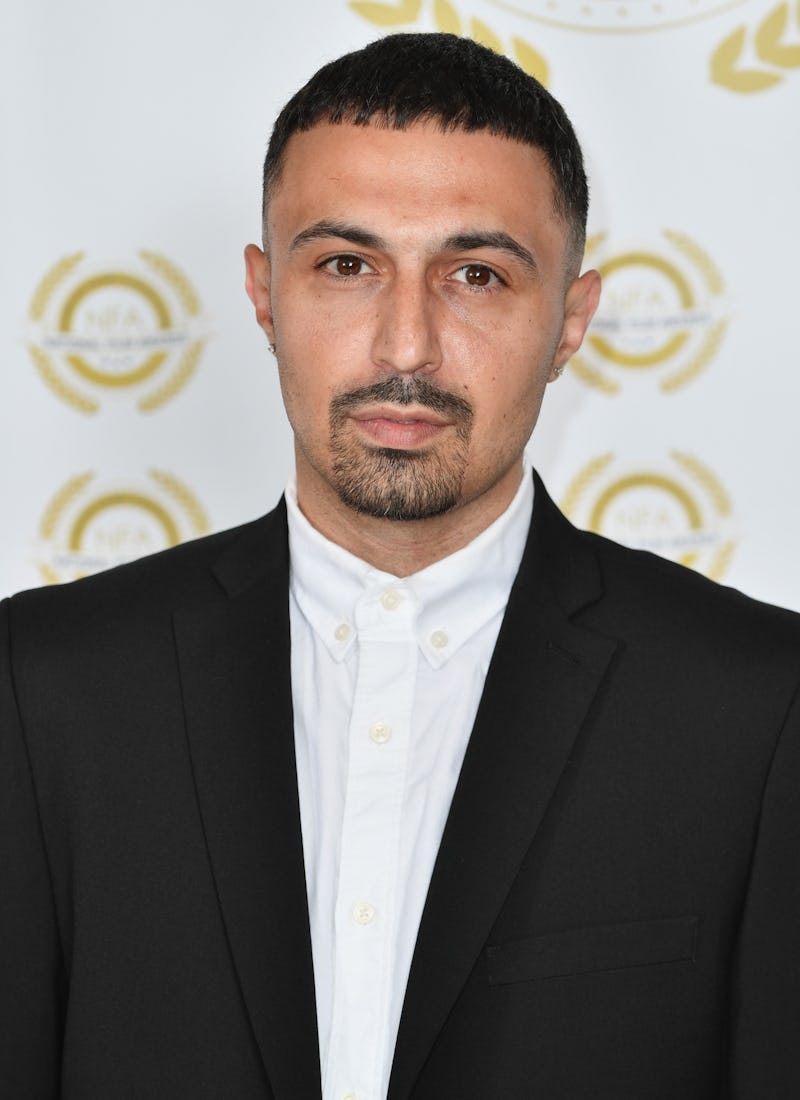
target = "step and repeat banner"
x: 139, y: 404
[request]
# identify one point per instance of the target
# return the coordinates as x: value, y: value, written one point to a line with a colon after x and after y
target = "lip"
x: 399, y: 426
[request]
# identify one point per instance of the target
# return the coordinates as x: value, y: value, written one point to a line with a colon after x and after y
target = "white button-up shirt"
x: 387, y: 674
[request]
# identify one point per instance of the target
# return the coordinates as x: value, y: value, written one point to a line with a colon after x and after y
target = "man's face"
x: 416, y: 290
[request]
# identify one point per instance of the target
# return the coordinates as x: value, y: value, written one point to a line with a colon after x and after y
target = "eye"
x: 345, y: 265
x: 477, y: 275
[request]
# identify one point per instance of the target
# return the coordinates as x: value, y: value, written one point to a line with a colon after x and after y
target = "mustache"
x: 404, y: 391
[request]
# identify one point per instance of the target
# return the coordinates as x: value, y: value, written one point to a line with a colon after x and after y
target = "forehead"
x: 404, y: 176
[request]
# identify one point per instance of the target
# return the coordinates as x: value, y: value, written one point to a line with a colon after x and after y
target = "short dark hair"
x: 406, y: 78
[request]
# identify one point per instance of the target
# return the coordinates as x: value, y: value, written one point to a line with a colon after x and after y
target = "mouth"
x: 389, y: 426
x: 401, y: 414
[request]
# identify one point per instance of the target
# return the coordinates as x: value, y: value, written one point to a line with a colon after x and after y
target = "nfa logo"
x: 674, y: 507
x: 103, y: 330
x: 621, y: 18
x: 90, y: 525
x: 662, y: 314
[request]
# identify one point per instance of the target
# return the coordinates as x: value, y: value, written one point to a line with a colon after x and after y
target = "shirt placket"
x: 365, y: 913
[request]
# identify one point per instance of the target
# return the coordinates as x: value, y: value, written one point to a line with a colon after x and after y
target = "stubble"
x: 392, y: 483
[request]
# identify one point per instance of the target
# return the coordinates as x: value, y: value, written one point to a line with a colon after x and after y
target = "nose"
x: 406, y: 334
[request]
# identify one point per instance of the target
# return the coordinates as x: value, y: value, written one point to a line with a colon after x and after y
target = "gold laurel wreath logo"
x: 710, y: 484
x: 180, y: 376
x: 769, y: 46
x: 713, y: 338
x: 447, y: 19
x: 184, y: 498
x: 62, y: 389
x: 50, y: 281
x: 715, y: 491
x: 52, y: 517
x: 48, y: 284
x: 698, y: 474
x: 191, y: 356
x: 61, y: 502
x: 709, y: 345
x: 576, y: 490
x: 699, y: 257
x: 176, y: 279
x: 183, y: 369
x: 67, y: 498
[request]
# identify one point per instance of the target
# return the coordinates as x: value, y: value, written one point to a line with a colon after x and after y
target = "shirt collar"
x: 451, y: 600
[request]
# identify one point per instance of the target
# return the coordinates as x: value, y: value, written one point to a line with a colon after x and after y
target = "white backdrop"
x: 139, y: 403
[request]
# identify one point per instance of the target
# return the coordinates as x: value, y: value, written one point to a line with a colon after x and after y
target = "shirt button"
x: 380, y: 733
x: 342, y: 632
x: 391, y: 599
x: 363, y: 913
x: 439, y: 639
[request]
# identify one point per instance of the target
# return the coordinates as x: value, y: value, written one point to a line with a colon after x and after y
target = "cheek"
x: 326, y: 347
x: 511, y: 401
x: 303, y: 397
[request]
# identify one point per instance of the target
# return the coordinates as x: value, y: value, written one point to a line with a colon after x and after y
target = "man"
x: 409, y: 788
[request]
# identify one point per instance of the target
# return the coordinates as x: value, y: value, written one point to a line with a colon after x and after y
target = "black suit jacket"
x: 615, y: 907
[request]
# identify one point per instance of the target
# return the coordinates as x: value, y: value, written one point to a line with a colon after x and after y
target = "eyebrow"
x: 342, y: 230
x: 458, y: 242
x: 495, y: 238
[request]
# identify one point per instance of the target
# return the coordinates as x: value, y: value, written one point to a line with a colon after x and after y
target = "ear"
x: 257, y: 285
x: 580, y: 303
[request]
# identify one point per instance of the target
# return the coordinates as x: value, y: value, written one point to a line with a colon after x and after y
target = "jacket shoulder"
x: 682, y: 620
x: 638, y: 595
x: 154, y: 586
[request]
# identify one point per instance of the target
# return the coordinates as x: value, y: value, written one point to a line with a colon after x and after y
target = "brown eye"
x: 476, y: 275
x: 345, y: 265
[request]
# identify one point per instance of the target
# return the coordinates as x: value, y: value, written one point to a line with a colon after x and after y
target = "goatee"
x: 391, y: 483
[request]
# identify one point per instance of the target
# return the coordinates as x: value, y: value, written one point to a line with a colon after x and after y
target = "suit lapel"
x: 542, y: 680
x: 235, y: 673
x: 234, y: 658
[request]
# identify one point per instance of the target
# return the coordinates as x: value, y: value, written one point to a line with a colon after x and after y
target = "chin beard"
x: 390, y: 483
x: 401, y: 485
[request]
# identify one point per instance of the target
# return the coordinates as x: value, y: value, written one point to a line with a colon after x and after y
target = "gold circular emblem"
x: 675, y: 507
x: 616, y: 16
x: 134, y: 330
x: 661, y: 316
x: 89, y: 526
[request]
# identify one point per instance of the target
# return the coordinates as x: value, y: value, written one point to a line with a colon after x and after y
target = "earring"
x: 558, y: 371
x: 272, y: 348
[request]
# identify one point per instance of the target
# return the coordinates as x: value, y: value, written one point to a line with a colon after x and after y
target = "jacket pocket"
x: 600, y: 947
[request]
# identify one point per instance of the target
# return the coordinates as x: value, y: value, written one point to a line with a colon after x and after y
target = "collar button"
x: 391, y: 599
